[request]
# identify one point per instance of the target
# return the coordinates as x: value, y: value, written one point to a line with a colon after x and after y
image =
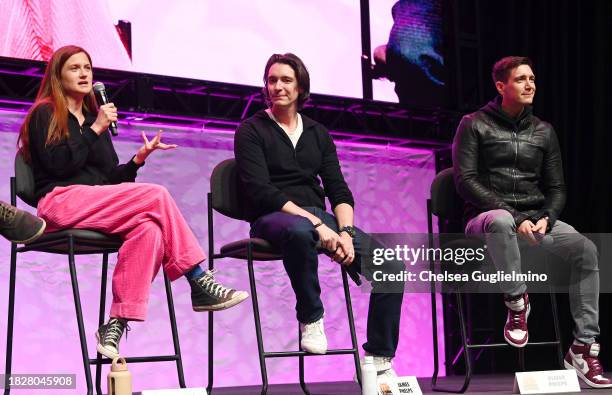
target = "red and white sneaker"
x: 515, y: 330
x: 583, y: 358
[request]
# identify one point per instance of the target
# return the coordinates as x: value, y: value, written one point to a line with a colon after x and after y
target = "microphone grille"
x: 98, y: 87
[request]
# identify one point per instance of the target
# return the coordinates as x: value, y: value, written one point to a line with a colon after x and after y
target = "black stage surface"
x: 480, y: 385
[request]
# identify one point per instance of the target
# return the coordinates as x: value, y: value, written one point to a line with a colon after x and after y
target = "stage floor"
x: 480, y: 385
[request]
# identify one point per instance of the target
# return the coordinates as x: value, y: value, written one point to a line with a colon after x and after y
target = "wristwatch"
x: 349, y: 230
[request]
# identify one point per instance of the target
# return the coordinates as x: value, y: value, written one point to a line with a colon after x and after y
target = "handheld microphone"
x: 101, y: 98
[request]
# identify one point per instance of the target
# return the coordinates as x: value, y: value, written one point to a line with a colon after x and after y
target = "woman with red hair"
x: 80, y: 184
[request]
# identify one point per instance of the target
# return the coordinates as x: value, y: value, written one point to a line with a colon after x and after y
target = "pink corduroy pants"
x: 152, y: 228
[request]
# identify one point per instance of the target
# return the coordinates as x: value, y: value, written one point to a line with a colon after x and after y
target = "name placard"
x: 407, y: 385
x: 181, y: 391
x: 546, y: 382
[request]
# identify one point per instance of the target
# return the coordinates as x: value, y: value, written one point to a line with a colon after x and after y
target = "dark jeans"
x: 296, y: 238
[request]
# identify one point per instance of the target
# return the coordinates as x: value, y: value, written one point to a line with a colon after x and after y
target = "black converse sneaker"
x: 108, y: 336
x: 19, y: 226
x: 209, y: 295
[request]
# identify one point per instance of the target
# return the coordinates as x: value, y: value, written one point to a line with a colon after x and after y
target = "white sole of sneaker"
x: 107, y: 353
x: 379, y: 373
x: 238, y: 297
x: 511, y: 342
x: 588, y: 382
x: 318, y: 351
x: 35, y: 236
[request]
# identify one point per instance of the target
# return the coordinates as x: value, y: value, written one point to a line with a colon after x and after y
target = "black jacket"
x: 83, y: 158
x: 511, y: 164
x: 272, y: 172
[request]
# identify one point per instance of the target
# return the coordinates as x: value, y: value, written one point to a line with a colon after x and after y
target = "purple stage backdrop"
x: 390, y: 188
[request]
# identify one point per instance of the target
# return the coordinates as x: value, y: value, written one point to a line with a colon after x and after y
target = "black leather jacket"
x: 511, y: 164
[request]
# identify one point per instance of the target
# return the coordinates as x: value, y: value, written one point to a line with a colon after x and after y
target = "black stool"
x: 74, y: 242
x: 447, y: 206
x: 223, y: 198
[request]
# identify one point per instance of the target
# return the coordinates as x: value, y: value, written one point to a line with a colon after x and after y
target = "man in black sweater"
x: 507, y: 167
x: 281, y: 154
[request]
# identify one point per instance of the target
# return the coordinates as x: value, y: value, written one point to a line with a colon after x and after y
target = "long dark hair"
x: 52, y: 93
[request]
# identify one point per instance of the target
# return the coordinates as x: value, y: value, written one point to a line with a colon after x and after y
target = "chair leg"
x: 466, y: 349
x: 210, y: 353
x: 467, y: 357
x: 211, y: 266
x: 260, y: 346
x: 351, y: 322
x: 521, y: 359
x: 301, y: 365
x: 102, y: 312
x: 211, y: 339
x: 175, y: 339
x: 79, y: 313
x: 434, y: 326
x: 10, y: 320
x: 555, y: 315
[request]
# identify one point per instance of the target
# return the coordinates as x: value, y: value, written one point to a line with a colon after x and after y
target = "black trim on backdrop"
x: 464, y: 54
x: 366, y: 50
x: 201, y: 104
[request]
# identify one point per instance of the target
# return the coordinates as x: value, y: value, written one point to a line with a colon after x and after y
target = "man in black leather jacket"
x: 507, y: 167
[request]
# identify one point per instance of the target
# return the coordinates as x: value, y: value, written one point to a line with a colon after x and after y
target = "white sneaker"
x: 313, y: 337
x: 384, y: 368
x: 382, y: 364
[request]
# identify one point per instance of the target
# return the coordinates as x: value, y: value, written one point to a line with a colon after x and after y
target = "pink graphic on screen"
x: 33, y: 29
x: 226, y: 41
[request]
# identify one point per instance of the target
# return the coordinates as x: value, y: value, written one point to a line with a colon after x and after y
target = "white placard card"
x: 546, y: 382
x: 407, y: 385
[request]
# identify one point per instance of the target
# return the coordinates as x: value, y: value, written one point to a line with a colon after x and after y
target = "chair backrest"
x: 24, y: 180
x: 445, y: 201
x: 224, y: 189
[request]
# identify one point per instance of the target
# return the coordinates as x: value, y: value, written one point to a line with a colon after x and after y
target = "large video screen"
x: 230, y: 40
x: 227, y: 41
x: 408, y: 51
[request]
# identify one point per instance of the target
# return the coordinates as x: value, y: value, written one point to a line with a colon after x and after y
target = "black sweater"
x: 83, y: 158
x: 272, y: 172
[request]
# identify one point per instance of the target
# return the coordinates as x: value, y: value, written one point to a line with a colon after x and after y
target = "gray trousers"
x: 498, y: 229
